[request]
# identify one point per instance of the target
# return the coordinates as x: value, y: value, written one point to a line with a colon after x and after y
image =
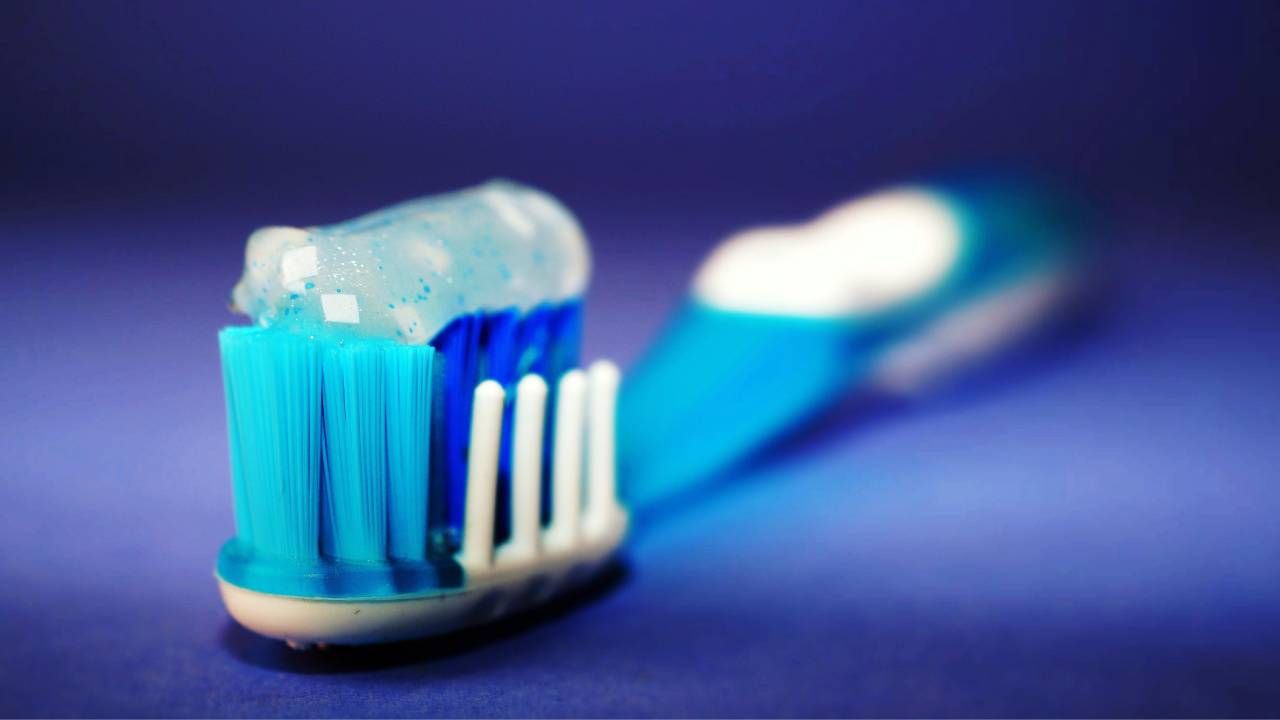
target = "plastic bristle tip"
x: 566, y: 494
x: 482, y: 476
x: 531, y: 401
x: 602, y: 501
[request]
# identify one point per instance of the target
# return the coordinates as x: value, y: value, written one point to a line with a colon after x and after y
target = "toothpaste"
x: 404, y: 272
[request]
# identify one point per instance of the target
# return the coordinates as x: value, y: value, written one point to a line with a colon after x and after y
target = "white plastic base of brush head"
x: 307, y: 622
x: 535, y: 564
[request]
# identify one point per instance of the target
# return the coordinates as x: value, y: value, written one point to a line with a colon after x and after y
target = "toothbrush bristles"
x: 526, y: 476
x: 567, y: 459
x: 482, y: 476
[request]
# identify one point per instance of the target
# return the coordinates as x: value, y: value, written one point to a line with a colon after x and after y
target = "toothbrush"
x: 894, y: 292
x: 408, y: 428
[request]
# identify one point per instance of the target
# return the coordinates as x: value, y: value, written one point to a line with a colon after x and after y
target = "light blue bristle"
x: 350, y: 480
x: 273, y: 411
x: 355, y: 457
x: 409, y: 408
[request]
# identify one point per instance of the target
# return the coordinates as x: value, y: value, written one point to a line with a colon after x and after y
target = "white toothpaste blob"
x: 859, y: 257
x: 402, y: 273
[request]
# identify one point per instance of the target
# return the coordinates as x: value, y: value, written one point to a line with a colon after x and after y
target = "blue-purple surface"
x: 1096, y: 534
x: 1092, y: 532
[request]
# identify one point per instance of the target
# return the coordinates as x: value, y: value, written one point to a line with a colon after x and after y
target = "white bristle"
x: 482, y: 476
x: 566, y: 491
x: 602, y: 500
x: 526, y: 472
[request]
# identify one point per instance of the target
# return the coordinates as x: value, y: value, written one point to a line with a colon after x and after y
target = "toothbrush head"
x: 386, y: 596
x: 412, y: 447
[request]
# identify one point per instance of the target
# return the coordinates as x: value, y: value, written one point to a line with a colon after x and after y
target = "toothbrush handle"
x: 718, y: 386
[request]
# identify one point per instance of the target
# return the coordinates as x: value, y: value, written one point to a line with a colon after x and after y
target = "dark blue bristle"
x: 501, y: 346
x: 459, y: 347
x: 501, y: 349
x: 409, y: 377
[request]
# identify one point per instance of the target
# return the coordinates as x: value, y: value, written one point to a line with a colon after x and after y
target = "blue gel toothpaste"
x: 405, y: 272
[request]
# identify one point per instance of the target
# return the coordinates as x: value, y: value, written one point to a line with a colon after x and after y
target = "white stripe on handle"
x: 482, y: 476
x: 566, y: 478
x: 602, y: 499
x: 526, y: 480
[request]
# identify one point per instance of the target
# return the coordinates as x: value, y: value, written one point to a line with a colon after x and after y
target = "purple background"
x: 1091, y: 533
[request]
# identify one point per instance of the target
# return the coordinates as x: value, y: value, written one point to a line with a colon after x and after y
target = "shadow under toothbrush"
x: 263, y: 652
x: 1042, y: 352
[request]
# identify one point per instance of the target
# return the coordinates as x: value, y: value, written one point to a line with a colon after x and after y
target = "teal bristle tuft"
x: 330, y: 467
x: 355, y: 452
x: 410, y: 373
x: 273, y: 413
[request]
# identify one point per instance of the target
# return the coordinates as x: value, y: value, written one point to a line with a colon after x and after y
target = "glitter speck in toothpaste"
x: 402, y: 273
